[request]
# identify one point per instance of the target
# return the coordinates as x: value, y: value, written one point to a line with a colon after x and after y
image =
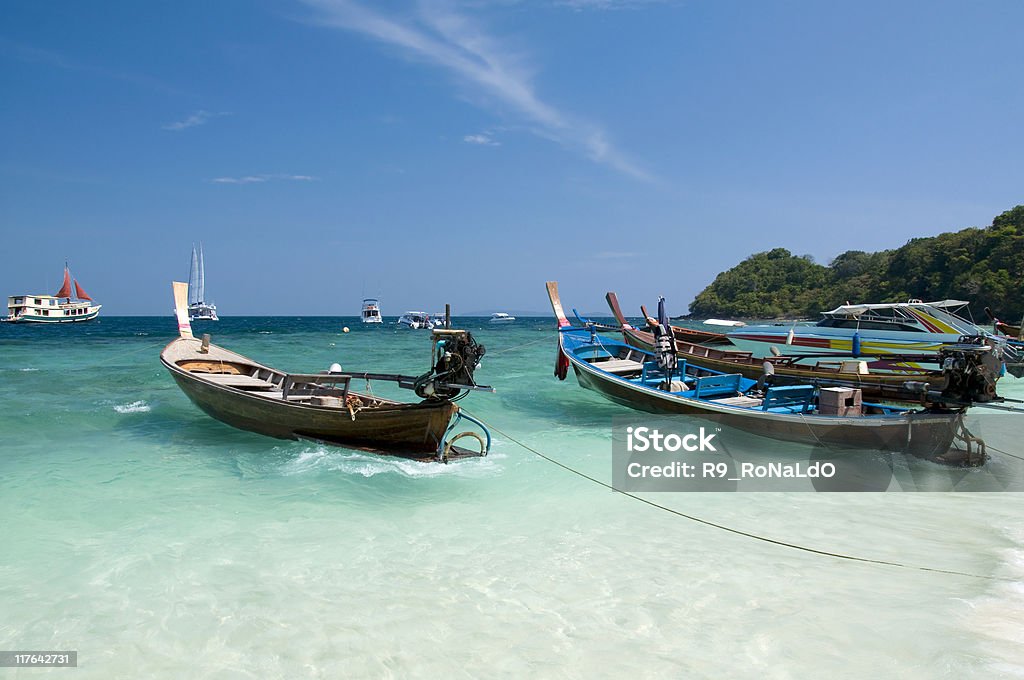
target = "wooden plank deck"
x: 619, y: 366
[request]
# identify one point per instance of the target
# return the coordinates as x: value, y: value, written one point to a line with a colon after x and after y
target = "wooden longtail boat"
x: 691, y: 335
x: 787, y: 369
x: 1015, y: 343
x: 321, y: 407
x: 632, y: 377
x: 1003, y: 327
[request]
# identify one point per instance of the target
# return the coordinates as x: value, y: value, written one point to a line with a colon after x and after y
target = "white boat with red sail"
x: 68, y: 305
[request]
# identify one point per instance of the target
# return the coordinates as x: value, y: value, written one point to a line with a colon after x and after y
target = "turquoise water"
x: 160, y: 543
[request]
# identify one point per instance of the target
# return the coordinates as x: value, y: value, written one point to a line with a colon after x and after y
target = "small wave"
x: 321, y: 459
x: 265, y: 332
x: 997, y: 616
x: 26, y: 370
x: 134, y: 407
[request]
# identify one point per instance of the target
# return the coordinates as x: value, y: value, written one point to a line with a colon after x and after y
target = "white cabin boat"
x: 501, y: 317
x: 371, y: 311
x: 63, y: 307
x: 198, y: 308
x: 416, y: 320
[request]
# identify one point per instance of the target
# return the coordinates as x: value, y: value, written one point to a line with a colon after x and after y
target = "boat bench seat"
x: 243, y: 382
x: 789, y: 399
x: 619, y: 366
x: 653, y: 372
x: 278, y: 394
x: 724, y: 385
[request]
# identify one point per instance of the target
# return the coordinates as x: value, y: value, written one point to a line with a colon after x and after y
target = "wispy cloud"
x: 200, y: 117
x: 483, y: 139
x: 258, y: 179
x: 495, y: 73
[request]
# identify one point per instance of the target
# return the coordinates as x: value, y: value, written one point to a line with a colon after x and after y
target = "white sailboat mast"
x: 202, y: 277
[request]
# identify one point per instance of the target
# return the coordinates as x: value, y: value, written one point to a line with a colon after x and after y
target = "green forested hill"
x: 984, y: 266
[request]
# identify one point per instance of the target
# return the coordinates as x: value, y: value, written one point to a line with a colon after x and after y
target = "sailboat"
x: 62, y: 307
x: 198, y: 308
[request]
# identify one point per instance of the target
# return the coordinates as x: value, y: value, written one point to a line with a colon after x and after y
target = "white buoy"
x: 335, y: 368
x: 345, y: 329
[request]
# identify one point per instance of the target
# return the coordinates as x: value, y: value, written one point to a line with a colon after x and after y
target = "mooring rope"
x: 517, y: 347
x: 1005, y: 453
x: 740, y: 532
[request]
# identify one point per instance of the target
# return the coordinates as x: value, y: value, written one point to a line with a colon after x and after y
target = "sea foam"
x: 321, y: 459
x: 134, y: 407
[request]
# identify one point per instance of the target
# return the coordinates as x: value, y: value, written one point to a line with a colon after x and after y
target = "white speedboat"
x: 416, y: 320
x: 371, y: 311
x: 913, y: 327
x: 501, y: 317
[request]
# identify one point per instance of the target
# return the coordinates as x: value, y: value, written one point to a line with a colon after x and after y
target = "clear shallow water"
x: 160, y: 543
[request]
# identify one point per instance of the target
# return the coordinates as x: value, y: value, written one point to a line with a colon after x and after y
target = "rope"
x: 1006, y: 453
x: 746, y: 534
x: 517, y: 347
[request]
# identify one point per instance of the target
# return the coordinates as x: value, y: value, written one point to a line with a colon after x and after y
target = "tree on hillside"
x: 984, y: 266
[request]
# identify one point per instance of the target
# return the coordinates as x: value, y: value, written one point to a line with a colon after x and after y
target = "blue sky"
x: 467, y: 151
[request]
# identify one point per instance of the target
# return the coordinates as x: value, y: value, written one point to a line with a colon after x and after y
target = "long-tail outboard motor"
x: 971, y: 368
x: 456, y: 356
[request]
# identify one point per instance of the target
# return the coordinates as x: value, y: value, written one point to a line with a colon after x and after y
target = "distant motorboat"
x: 62, y: 307
x: 371, y: 311
x: 416, y: 320
x: 198, y: 308
x: 501, y: 317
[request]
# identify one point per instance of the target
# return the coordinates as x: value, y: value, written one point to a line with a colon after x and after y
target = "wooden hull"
x: 698, y: 337
x: 408, y: 430
x: 1007, y: 329
x: 924, y: 435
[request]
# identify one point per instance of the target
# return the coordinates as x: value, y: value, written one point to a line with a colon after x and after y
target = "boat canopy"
x: 856, y: 310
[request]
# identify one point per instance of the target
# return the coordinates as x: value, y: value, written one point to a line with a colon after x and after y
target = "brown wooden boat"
x: 1003, y: 327
x: 251, y: 396
x: 843, y: 373
x: 691, y: 335
x: 1007, y: 329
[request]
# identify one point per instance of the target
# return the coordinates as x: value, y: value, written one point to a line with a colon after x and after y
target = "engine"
x: 971, y: 368
x: 456, y: 356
